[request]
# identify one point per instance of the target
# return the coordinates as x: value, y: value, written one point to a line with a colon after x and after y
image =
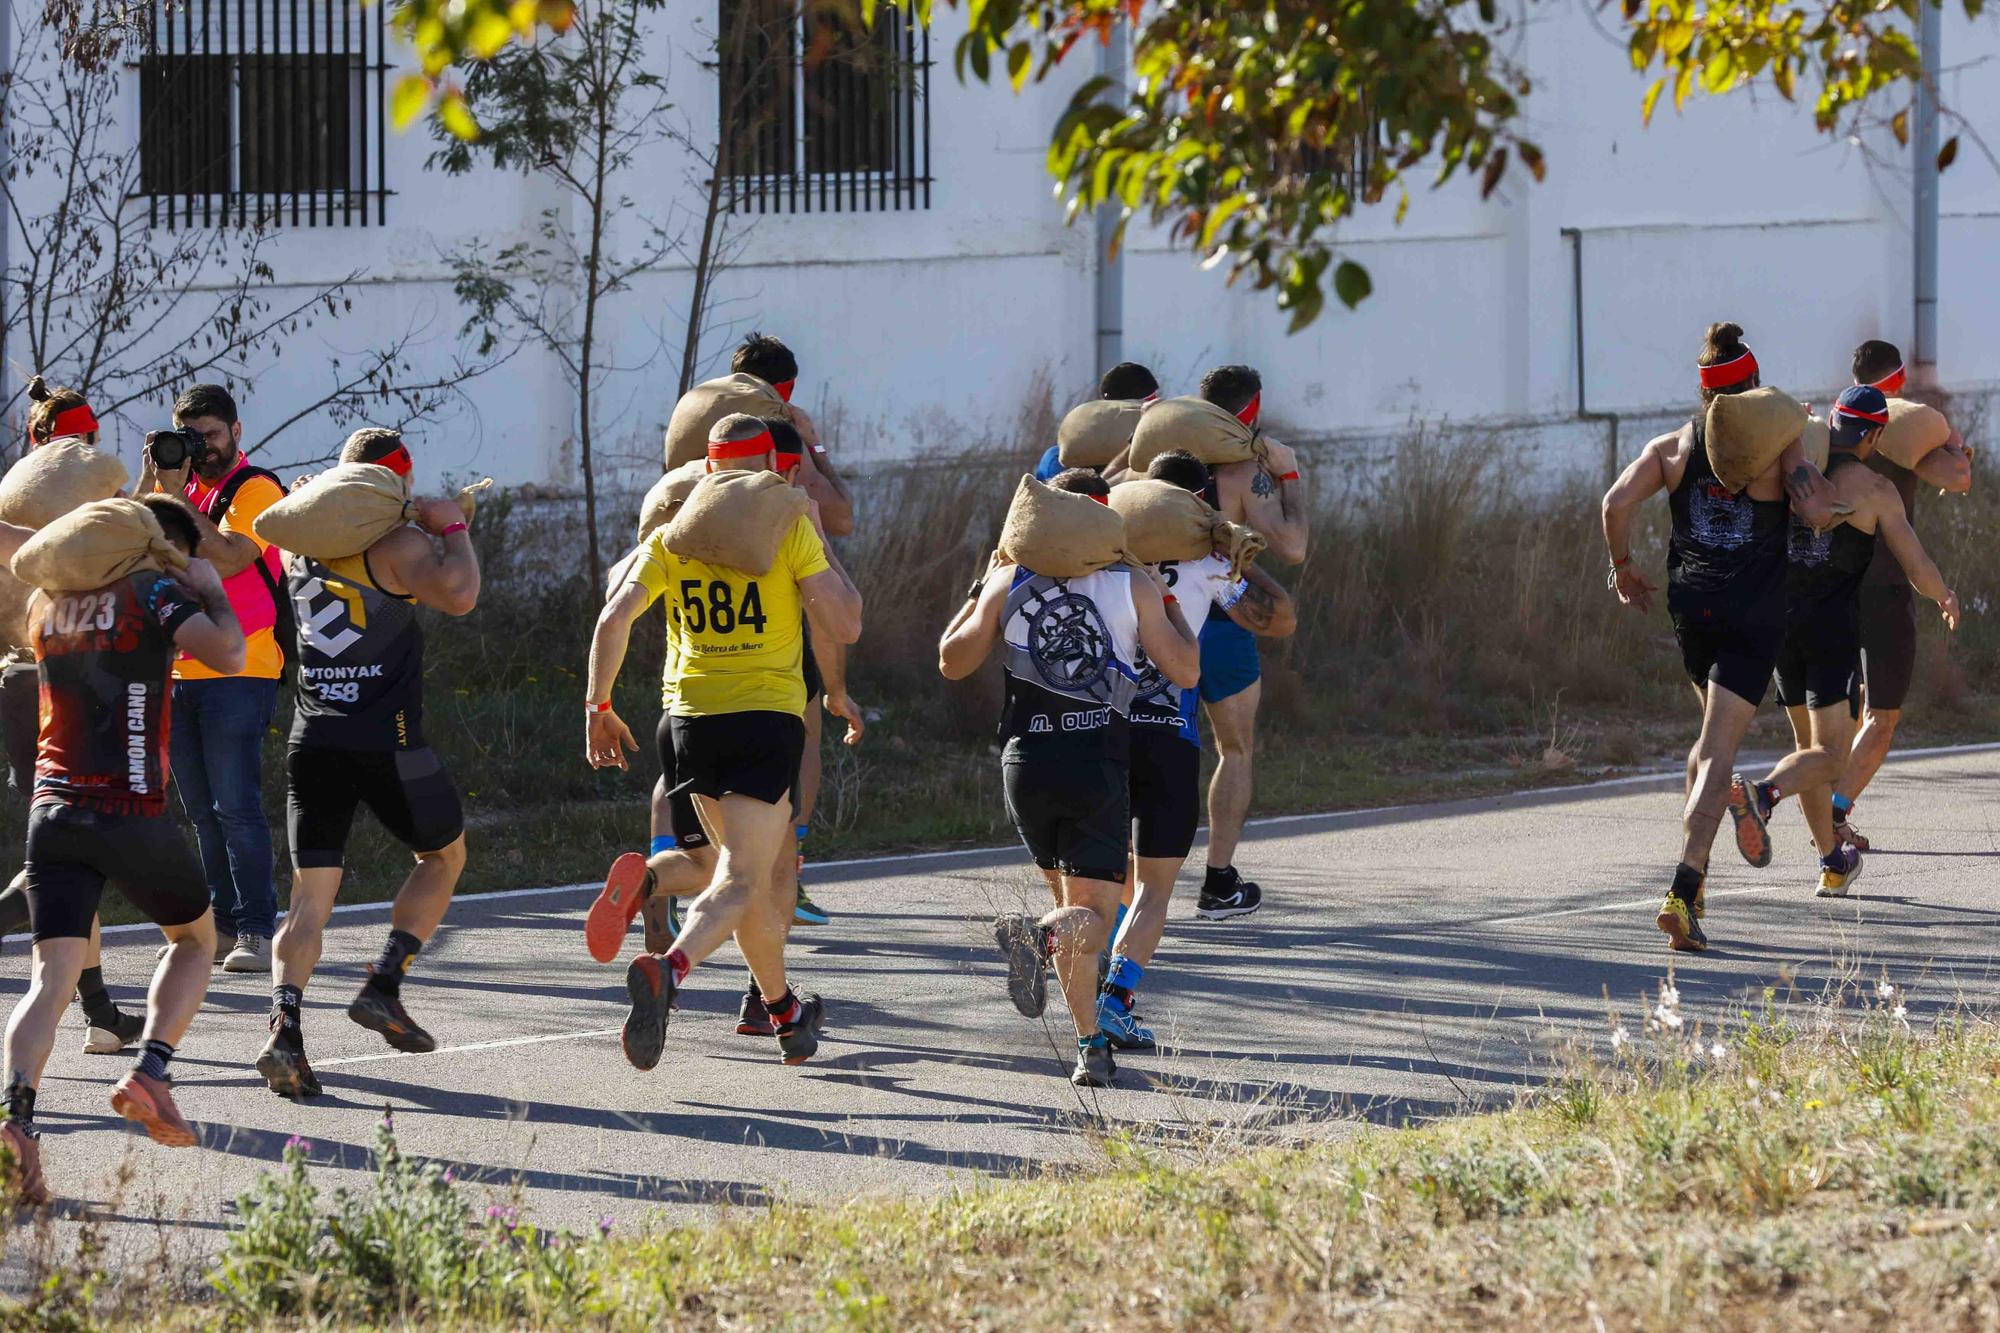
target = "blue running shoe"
x: 1121, y: 1028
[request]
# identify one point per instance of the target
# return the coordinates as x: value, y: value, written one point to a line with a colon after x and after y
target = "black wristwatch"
x: 972, y: 593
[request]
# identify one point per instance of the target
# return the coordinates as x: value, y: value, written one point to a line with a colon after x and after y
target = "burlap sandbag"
x: 664, y: 500
x: 736, y: 519
x: 342, y: 512
x: 1061, y: 534
x: 467, y: 498
x: 1747, y: 431
x: 1914, y: 430
x: 1818, y: 443
x: 97, y: 544
x: 56, y: 478
x: 707, y: 403
x: 1165, y: 522
x: 1195, y: 425
x: 1094, y: 433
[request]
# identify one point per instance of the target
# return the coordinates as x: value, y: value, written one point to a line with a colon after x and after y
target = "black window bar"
x: 820, y: 114
x: 263, y: 111
x: 1350, y: 161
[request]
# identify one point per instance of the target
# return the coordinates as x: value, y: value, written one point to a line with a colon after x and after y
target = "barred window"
x: 263, y: 111
x: 819, y: 113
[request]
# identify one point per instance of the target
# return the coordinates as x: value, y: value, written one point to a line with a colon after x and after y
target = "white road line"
x: 459, y: 1050
x: 1635, y: 902
x: 1268, y: 821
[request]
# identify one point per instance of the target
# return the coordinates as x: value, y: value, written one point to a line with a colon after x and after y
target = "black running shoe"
x: 650, y: 984
x: 753, y: 1019
x: 379, y: 1012
x: 1020, y: 941
x: 118, y: 1031
x: 1094, y: 1066
x: 1225, y: 894
x: 283, y: 1064
x: 798, y: 1040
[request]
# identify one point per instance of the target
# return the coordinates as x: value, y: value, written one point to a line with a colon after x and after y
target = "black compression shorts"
x: 1888, y: 642
x: 1736, y: 651
x: 682, y: 821
x: 409, y: 791
x: 1819, y: 664
x: 1073, y: 815
x: 72, y: 851
x: 1166, y: 791
x: 21, y: 721
x: 754, y: 754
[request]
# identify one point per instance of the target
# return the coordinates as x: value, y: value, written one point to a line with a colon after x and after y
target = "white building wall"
x: 930, y: 330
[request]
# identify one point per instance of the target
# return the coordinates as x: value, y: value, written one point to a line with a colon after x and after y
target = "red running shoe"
x: 626, y: 888
x: 147, y: 1102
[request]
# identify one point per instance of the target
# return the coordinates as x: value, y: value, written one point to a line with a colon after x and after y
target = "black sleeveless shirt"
x: 1824, y: 570
x: 360, y: 656
x: 1724, y: 548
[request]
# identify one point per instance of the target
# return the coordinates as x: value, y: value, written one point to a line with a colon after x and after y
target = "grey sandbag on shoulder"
x: 1745, y: 433
x: 1914, y: 430
x: 1061, y: 534
x: 736, y: 519
x: 668, y: 493
x: 1165, y: 522
x: 340, y: 513
x: 97, y: 544
x: 709, y: 402
x: 1210, y: 433
x: 57, y: 478
x: 1092, y: 434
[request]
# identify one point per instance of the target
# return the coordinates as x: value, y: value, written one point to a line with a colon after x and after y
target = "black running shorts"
x: 72, y: 851
x: 1888, y: 642
x: 754, y: 754
x: 682, y: 821
x: 1819, y: 664
x: 1736, y: 650
x: 409, y: 791
x: 21, y: 721
x: 1073, y: 814
x: 1166, y: 791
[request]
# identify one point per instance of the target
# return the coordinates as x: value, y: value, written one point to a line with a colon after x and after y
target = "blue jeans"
x: 217, y: 745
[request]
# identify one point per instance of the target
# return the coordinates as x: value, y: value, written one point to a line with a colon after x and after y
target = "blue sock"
x: 663, y: 842
x: 1118, y: 922
x: 801, y: 830
x: 1096, y: 1040
x: 1842, y: 807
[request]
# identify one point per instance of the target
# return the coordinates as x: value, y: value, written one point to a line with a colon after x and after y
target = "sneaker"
x: 1020, y: 941
x: 649, y: 981
x: 251, y: 953
x: 1838, y: 872
x: 1226, y: 895
x: 385, y: 1014
x: 124, y: 1029
x: 149, y: 1103
x: 1750, y: 811
x: 626, y: 888
x: 1850, y: 835
x: 1121, y: 1028
x: 1094, y: 1066
x: 798, y: 1040
x: 753, y: 1019
x: 1683, y: 933
x: 285, y: 1070
x: 809, y: 913
x: 24, y: 1173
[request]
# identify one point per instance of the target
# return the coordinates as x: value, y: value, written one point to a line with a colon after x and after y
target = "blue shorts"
x: 1229, y: 663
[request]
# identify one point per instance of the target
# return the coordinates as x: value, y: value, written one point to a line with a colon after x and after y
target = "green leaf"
x: 1220, y: 214
x: 1652, y: 96
x: 1352, y: 284
x: 456, y: 117
x: 1720, y: 72
x: 407, y: 102
x: 1020, y: 57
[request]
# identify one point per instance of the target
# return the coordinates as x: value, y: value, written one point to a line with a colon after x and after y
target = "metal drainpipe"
x: 1109, y: 269
x: 1583, y: 412
x: 1930, y: 40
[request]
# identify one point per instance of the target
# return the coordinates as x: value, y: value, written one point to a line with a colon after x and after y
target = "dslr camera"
x: 176, y: 447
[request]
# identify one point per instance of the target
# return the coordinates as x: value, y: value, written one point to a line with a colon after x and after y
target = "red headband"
x: 787, y: 459
x: 78, y: 420
x: 1726, y: 373
x: 1873, y: 418
x: 784, y: 389
x: 1892, y: 383
x: 760, y: 443
x: 1248, y: 416
x: 397, y: 460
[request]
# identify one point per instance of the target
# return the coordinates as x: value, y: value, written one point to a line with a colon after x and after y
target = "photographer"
x: 219, y: 719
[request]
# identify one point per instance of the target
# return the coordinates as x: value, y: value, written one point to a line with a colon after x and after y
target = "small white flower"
x: 1619, y: 1037
x: 1901, y: 1013
x: 1670, y: 1019
x: 1718, y: 1052
x: 1884, y: 991
x: 1750, y: 1080
x: 1670, y: 996
x: 1776, y: 1099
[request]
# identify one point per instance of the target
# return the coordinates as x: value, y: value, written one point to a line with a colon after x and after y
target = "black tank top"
x: 1825, y: 569
x: 1885, y: 569
x: 1723, y: 546
x: 360, y: 656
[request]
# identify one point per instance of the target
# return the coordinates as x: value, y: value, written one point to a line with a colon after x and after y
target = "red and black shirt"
x: 104, y: 659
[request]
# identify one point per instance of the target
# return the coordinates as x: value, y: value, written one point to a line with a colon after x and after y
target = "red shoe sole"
x: 610, y: 917
x: 136, y: 1105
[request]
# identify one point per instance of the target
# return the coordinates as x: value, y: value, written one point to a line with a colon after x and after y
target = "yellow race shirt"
x: 735, y: 643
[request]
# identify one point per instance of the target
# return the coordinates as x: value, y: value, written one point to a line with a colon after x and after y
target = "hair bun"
x: 38, y: 389
x: 1724, y: 336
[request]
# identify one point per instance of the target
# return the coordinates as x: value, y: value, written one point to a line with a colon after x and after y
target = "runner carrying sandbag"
x: 1092, y: 434
x: 1745, y: 433
x: 734, y: 518
x: 340, y: 513
x: 1197, y: 426
x: 1165, y: 522
x: 1914, y: 430
x: 668, y: 493
x: 1060, y: 534
x: 706, y: 404
x: 95, y: 546
x: 56, y: 478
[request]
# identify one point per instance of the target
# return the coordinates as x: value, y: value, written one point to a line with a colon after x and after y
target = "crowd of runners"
x: 1804, y: 575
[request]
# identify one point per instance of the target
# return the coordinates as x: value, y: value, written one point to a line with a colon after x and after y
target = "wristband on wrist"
x: 590, y: 707
x: 1288, y: 476
x: 1617, y: 563
x: 456, y: 527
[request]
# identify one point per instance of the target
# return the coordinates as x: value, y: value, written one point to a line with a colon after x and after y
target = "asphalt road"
x: 1408, y: 963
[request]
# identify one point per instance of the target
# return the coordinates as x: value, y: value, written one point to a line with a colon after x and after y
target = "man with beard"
x: 219, y: 721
